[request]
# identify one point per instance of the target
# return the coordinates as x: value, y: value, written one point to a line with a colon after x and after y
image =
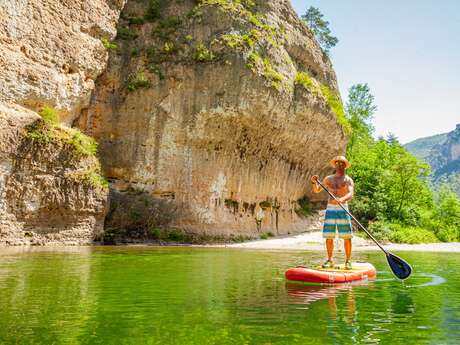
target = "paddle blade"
x: 400, y: 268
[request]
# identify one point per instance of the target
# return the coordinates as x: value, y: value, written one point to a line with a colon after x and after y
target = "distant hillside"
x: 421, y: 147
x: 442, y: 152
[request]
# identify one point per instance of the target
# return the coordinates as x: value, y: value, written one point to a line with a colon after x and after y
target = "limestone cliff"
x: 221, y: 110
x: 50, y: 192
x: 52, y: 51
x: 50, y: 54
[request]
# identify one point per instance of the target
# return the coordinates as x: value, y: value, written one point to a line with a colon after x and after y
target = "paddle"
x: 400, y: 268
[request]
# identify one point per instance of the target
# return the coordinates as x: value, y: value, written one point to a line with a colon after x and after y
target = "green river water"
x: 168, y: 295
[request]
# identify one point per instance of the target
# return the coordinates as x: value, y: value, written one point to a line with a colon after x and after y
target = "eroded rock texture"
x: 43, y: 197
x: 51, y: 51
x: 199, y: 107
x: 50, y: 54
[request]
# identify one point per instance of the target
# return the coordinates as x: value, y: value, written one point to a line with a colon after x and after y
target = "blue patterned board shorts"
x: 336, y: 219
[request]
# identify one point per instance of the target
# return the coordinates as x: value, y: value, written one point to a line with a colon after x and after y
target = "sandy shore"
x: 314, y: 241
x: 309, y: 241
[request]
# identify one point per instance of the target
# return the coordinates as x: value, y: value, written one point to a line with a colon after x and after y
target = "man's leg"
x: 347, y: 245
x: 329, y: 232
x: 345, y: 232
x: 330, y: 248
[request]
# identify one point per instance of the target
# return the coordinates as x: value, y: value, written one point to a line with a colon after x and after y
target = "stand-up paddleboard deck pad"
x: 336, y: 275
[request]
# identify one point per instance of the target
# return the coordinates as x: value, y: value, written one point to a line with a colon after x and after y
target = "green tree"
x: 407, y: 192
x: 313, y: 18
x: 387, y: 177
x: 360, y: 109
x: 448, y: 212
x: 391, y: 138
x: 387, y: 183
x: 392, y: 194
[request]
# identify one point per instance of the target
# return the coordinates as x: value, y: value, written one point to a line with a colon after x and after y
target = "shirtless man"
x: 342, y: 187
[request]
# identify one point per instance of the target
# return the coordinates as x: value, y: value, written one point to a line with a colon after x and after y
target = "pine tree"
x: 313, y: 18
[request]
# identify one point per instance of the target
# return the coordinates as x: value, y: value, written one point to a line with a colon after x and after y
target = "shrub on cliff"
x: 47, y: 131
x: 50, y: 116
x: 91, y: 176
x: 83, y: 144
x: 138, y: 80
x: 203, y: 54
x: 304, y: 207
x: 335, y: 103
x: 153, y: 10
x: 50, y: 129
x: 302, y: 78
x: 108, y: 44
x: 125, y: 33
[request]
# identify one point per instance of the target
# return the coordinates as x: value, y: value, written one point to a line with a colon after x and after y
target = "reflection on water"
x: 305, y: 294
x: 218, y: 296
x: 39, y: 289
x: 382, y: 321
x: 402, y: 304
x: 308, y: 293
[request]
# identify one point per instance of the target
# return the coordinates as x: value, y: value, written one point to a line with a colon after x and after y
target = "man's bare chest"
x: 338, y: 183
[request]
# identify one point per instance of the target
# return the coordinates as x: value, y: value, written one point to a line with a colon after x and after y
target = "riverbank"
x: 313, y: 241
x: 309, y: 241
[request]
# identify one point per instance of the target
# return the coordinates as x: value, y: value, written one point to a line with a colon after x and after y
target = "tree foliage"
x: 360, y: 109
x: 392, y: 193
x: 313, y: 18
x: 447, y: 211
x: 388, y: 184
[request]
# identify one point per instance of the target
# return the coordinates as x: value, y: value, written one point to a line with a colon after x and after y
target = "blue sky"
x: 407, y: 51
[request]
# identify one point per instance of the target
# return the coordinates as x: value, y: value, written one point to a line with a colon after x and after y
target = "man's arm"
x: 316, y: 188
x: 351, y: 192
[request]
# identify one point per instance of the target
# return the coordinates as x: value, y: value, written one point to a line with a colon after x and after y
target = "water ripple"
x: 435, y: 280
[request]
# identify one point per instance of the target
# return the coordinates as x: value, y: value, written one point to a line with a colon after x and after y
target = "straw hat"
x: 340, y: 159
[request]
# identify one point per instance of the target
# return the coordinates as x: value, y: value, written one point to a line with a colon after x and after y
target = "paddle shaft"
x: 357, y: 222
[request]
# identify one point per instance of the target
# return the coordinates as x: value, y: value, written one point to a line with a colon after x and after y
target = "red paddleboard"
x: 338, y: 274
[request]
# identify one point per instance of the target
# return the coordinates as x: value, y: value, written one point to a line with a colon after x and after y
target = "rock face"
x: 50, y: 54
x: 445, y: 161
x: 51, y: 51
x: 44, y: 196
x: 447, y: 152
x: 222, y: 109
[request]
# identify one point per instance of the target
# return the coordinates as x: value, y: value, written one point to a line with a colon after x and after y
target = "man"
x: 342, y: 187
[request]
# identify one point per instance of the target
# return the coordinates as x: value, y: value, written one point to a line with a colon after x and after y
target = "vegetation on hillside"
x: 48, y: 131
x: 451, y: 179
x: 422, y: 147
x: 437, y: 151
x: 252, y: 35
x: 392, y: 192
x: 331, y: 98
x: 313, y: 19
